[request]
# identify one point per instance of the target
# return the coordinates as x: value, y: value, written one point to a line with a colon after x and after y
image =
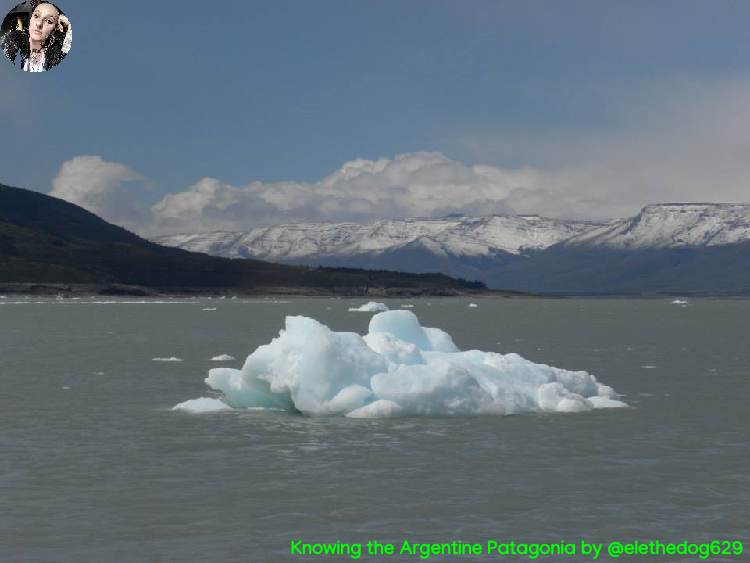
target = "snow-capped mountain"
x: 695, y: 248
x: 673, y: 247
x: 451, y: 236
x: 672, y: 225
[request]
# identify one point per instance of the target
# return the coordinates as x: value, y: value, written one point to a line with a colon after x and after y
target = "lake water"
x: 95, y: 466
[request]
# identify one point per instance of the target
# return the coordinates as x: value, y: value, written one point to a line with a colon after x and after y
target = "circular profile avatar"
x: 37, y: 31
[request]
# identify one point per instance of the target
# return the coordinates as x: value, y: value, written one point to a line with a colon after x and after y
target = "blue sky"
x: 172, y: 115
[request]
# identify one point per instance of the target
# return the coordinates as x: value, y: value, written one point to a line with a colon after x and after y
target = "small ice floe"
x: 408, y: 306
x: 172, y: 359
x: 648, y: 367
x: 202, y: 405
x: 222, y: 358
x: 66, y: 387
x: 208, y: 309
x: 371, y: 307
x: 679, y: 302
x: 473, y: 305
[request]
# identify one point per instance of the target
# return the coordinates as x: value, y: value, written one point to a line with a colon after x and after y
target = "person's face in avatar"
x: 43, y: 22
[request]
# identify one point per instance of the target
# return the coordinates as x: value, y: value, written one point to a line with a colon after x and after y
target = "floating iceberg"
x: 204, y: 404
x: 398, y: 369
x: 172, y: 359
x: 371, y: 307
x: 222, y: 358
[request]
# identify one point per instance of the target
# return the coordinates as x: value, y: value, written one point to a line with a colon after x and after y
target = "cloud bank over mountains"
x: 410, y: 185
x: 680, y: 141
x: 417, y: 184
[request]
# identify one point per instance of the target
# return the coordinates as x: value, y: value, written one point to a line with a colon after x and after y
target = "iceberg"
x: 222, y: 358
x: 399, y: 368
x: 204, y: 404
x: 371, y: 307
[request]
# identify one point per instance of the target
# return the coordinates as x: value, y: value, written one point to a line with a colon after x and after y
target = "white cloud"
x: 410, y: 185
x: 414, y: 184
x: 96, y: 185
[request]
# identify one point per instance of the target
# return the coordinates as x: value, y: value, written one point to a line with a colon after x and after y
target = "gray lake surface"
x: 95, y: 466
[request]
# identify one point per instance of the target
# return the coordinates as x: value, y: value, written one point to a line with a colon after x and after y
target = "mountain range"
x: 701, y: 248
x: 454, y: 245
x: 46, y: 242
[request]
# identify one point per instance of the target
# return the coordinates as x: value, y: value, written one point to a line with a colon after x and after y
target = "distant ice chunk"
x: 172, y: 359
x: 204, y: 404
x: 223, y: 358
x: 679, y: 302
x: 371, y: 307
x: 473, y: 305
x: 208, y: 309
x: 399, y: 368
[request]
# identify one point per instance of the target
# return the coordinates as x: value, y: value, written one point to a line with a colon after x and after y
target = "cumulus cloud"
x: 420, y: 184
x: 97, y: 185
x: 414, y: 184
x: 417, y: 184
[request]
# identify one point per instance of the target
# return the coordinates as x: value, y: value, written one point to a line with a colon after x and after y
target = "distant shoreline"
x: 122, y: 290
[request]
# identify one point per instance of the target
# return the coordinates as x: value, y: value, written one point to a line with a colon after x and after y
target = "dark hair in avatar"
x: 54, y: 47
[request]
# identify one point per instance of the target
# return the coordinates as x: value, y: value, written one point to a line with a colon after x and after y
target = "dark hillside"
x: 48, y: 240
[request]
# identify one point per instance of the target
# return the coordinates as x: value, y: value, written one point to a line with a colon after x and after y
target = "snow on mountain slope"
x: 461, y: 236
x: 670, y: 225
